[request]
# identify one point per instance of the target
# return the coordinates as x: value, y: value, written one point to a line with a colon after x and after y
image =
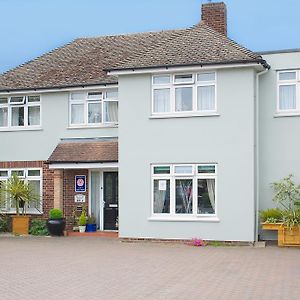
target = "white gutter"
x: 107, y: 165
x: 256, y: 155
x: 183, y: 69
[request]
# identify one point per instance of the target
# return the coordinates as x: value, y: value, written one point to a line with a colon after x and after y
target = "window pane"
x: 287, y: 97
x: 206, y: 97
x: 3, y: 100
x: 33, y: 115
x: 184, y: 99
x: 18, y: 173
x: 184, y: 196
x: 184, y: 78
x: 95, y: 95
x: 163, y: 79
x: 35, y: 186
x: 184, y: 169
x: 206, y: 196
x: 111, y: 111
x: 78, y: 96
x: 33, y: 99
x: 287, y: 75
x: 161, y: 100
x: 17, y: 100
x: 17, y: 118
x: 3, y: 173
x: 113, y: 94
x: 94, y: 112
x: 3, y: 196
x: 34, y: 172
x: 206, y: 169
x: 77, y: 114
x: 161, y: 196
x: 161, y: 170
x: 206, y: 76
x: 3, y: 116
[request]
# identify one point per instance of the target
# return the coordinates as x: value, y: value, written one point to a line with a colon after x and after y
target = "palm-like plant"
x: 20, y: 192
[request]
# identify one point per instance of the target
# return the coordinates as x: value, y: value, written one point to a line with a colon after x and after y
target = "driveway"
x: 97, y: 268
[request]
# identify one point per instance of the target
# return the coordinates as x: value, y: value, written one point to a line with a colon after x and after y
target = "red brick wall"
x: 215, y: 16
x: 69, y: 193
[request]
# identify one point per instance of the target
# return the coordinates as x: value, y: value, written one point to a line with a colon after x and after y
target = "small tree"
x: 20, y: 192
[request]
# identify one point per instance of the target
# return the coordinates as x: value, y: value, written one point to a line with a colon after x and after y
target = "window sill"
x: 93, y: 127
x: 183, y: 115
x: 212, y: 219
x: 6, y: 129
x: 28, y: 213
x: 287, y: 114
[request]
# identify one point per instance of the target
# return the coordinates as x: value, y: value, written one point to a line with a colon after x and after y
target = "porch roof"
x: 85, y: 151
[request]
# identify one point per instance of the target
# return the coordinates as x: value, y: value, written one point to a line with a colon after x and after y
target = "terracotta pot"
x: 20, y: 224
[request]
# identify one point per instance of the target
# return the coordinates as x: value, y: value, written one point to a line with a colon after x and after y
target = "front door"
x: 110, y: 197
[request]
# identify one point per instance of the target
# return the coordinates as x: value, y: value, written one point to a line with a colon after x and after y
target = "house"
x: 166, y: 135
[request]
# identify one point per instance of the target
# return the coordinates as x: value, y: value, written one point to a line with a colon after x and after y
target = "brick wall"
x: 215, y: 16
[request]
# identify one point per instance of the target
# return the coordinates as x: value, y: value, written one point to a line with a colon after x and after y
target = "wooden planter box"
x: 286, y: 237
x: 20, y: 224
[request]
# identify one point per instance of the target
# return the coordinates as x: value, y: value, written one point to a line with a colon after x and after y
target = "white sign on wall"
x: 162, y: 185
x: 79, y: 198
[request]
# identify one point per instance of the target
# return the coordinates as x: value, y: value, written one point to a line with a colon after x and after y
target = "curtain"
x: 287, y: 97
x: 184, y: 196
x: 161, y: 197
x: 17, y: 116
x: 94, y: 113
x: 3, y: 116
x: 162, y: 100
x: 77, y: 113
x: 33, y: 115
x: 184, y: 99
x: 211, y: 192
x: 206, y: 97
x: 111, y: 111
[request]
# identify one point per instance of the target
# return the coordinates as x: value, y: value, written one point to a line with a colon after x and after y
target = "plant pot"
x: 289, y: 237
x: 271, y: 226
x: 56, y: 226
x: 91, y: 227
x: 20, y: 224
x: 81, y: 228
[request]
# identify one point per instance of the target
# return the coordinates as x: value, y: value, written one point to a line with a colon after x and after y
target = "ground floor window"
x: 33, y: 176
x: 184, y: 190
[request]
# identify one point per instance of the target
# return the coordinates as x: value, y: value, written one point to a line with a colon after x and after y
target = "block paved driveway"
x: 96, y: 268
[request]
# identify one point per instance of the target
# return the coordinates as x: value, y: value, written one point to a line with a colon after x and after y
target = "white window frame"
x: 85, y: 101
x: 25, y: 104
x: 289, y: 82
x: 172, y: 87
x: 26, y: 178
x: 194, y: 176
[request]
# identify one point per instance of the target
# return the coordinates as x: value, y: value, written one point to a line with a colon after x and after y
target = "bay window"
x: 184, y: 190
x: 31, y: 176
x: 94, y: 108
x: 184, y: 93
x: 20, y: 112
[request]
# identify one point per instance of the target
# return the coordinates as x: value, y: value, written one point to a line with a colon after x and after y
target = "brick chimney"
x: 214, y: 14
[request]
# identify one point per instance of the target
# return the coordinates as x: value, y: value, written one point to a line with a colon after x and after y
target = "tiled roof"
x: 84, y: 61
x: 85, y: 151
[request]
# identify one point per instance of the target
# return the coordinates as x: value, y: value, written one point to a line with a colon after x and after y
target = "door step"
x: 105, y: 234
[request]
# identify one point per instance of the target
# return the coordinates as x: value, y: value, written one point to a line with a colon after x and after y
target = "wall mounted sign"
x: 79, y: 198
x: 162, y: 185
x: 80, y: 183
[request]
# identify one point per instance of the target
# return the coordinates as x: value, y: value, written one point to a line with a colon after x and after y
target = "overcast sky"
x: 29, y: 28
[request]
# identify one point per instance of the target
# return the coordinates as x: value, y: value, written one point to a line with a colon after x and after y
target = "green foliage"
x: 3, y: 223
x: 271, y: 215
x: 55, y: 213
x: 38, y: 227
x: 82, y: 219
x: 91, y: 219
x: 20, y: 192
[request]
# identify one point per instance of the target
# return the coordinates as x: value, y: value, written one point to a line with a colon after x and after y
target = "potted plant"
x: 82, y: 222
x: 56, y: 223
x: 285, y: 219
x: 21, y: 193
x: 91, y: 225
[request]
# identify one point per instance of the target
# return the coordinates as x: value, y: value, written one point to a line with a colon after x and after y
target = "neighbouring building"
x: 168, y: 135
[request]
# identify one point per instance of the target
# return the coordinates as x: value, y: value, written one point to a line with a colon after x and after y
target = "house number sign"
x: 80, y: 183
x: 79, y: 198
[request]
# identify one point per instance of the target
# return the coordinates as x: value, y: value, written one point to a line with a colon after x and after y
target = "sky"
x: 30, y: 28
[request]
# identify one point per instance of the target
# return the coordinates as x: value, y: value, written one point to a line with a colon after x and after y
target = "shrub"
x: 271, y: 215
x: 82, y: 219
x: 3, y: 223
x: 55, y: 213
x: 38, y: 227
x: 91, y: 219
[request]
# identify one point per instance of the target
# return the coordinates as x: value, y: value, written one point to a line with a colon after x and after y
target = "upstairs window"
x: 184, y: 93
x: 94, y: 108
x: 288, y: 98
x: 20, y: 111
